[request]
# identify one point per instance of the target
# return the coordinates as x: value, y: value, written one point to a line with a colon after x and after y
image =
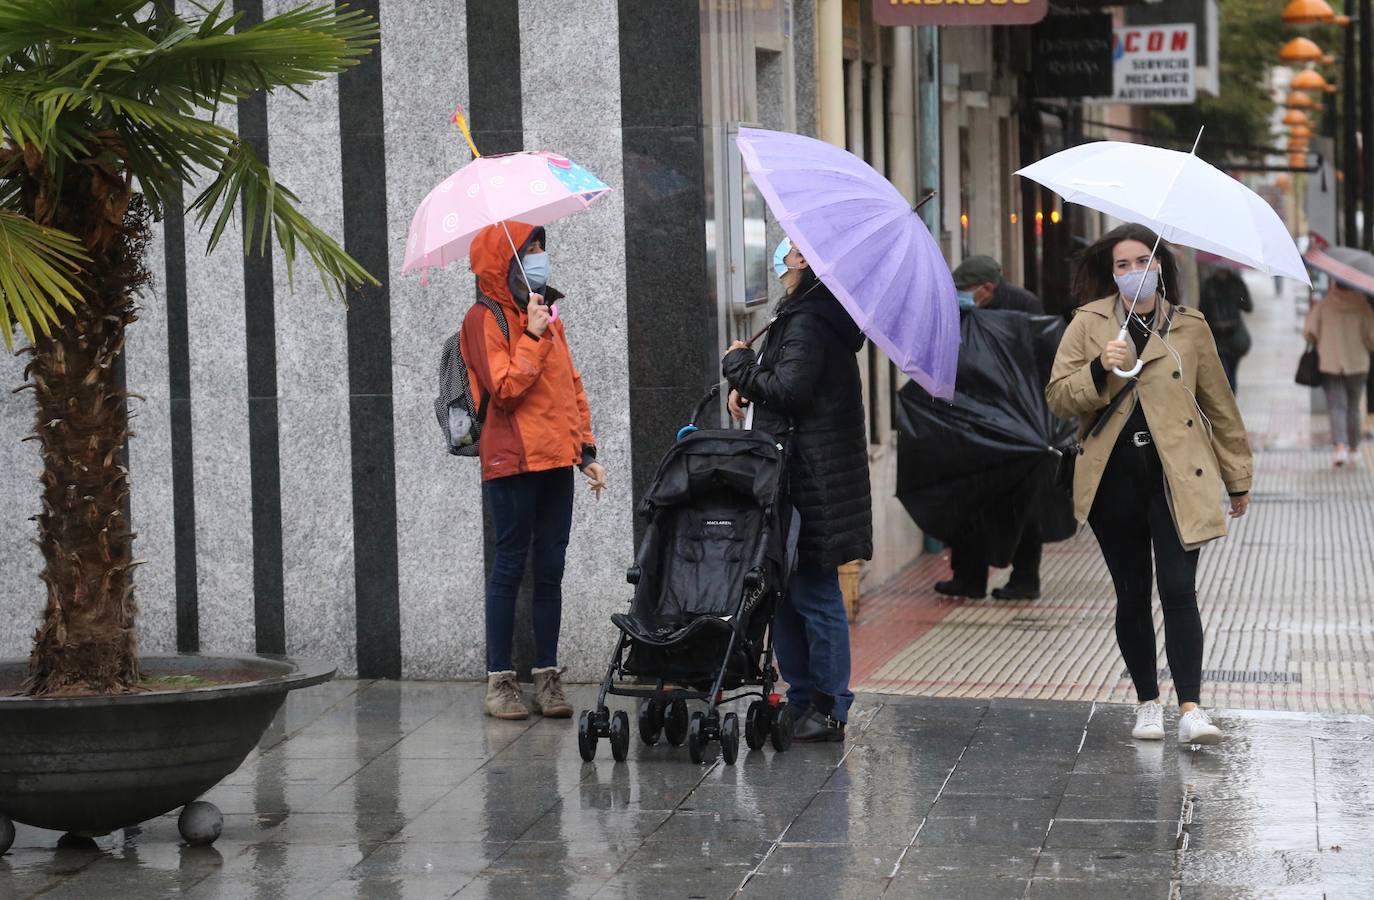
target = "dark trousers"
x: 1229, y: 364
x: 970, y: 565
x: 534, y: 506
x: 1129, y: 516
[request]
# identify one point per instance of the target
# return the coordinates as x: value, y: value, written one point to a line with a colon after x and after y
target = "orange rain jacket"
x: 537, y: 416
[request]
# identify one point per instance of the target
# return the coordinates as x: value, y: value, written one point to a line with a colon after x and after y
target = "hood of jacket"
x: 819, y: 302
x: 493, y: 259
x: 1345, y: 301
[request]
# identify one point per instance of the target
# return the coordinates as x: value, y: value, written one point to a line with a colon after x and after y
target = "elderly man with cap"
x: 979, y: 282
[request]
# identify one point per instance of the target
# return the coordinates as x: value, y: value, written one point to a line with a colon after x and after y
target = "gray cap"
x: 977, y: 270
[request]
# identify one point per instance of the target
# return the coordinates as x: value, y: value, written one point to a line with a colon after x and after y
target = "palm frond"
x: 35, y: 265
x: 216, y: 63
x: 268, y: 208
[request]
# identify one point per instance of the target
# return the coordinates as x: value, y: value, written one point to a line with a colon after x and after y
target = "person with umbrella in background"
x: 1156, y: 446
x: 1341, y: 327
x: 980, y: 286
x: 807, y: 380
x: 1225, y: 299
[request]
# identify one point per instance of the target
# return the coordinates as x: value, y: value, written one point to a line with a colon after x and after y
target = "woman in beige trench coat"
x: 1156, y: 451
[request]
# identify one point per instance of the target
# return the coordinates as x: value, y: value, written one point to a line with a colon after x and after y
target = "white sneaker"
x: 1340, y: 457
x: 1149, y: 722
x: 1195, y: 728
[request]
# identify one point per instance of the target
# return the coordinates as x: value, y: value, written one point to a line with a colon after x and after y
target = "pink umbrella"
x: 533, y: 187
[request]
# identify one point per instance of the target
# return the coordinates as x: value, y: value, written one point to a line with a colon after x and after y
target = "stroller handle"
x: 706, y: 401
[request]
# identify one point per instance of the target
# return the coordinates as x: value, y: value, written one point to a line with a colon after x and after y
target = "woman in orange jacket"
x: 536, y: 430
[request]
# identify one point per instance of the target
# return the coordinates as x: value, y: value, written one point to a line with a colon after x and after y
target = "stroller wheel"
x: 620, y: 735
x: 696, y: 736
x: 729, y: 738
x: 586, y: 735
x: 650, y: 721
x: 756, y: 725
x: 675, y: 723
x: 781, y: 732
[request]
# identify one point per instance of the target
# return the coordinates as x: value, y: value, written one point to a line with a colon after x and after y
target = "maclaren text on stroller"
x: 710, y: 572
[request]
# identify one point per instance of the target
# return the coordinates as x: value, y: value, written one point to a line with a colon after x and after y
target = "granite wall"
x: 290, y: 489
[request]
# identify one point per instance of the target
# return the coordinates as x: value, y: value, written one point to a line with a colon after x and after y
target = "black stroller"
x: 710, y: 572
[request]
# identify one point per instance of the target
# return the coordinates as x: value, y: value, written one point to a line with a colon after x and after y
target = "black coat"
x: 809, y: 376
x: 1009, y: 296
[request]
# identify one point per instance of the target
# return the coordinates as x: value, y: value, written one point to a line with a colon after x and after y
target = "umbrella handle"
x: 1139, y: 363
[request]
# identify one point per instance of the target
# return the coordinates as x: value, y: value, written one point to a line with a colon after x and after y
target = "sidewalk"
x: 403, y: 790
x: 1287, y: 599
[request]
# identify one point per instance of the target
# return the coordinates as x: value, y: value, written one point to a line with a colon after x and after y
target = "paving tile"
x: 1121, y: 889
x: 1090, y: 834
x: 1130, y: 865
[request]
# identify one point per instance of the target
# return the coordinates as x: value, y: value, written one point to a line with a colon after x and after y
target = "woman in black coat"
x: 808, y: 379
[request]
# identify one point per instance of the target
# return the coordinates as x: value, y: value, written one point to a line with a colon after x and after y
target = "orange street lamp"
x: 1307, y: 12
x: 1328, y: 59
x: 1297, y: 145
x: 1299, y: 100
x: 1308, y: 80
x: 1296, y: 117
x: 1300, y: 49
x: 1300, y: 131
x: 1297, y: 160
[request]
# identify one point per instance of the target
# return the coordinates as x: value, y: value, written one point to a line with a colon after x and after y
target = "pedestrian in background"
x: 538, y: 427
x: 1341, y: 326
x: 1156, y: 449
x: 1225, y: 299
x: 979, y: 283
x: 979, y: 279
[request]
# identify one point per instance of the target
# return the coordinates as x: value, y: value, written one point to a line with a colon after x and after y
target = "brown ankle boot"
x: 503, y: 697
x: 548, y: 693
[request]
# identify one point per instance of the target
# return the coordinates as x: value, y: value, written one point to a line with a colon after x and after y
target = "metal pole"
x: 1350, y: 157
x: 1367, y: 121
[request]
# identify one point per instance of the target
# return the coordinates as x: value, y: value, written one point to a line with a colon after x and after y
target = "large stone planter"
x: 90, y: 765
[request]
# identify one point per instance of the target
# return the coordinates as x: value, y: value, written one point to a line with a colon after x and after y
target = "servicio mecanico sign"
x: 959, y: 12
x: 1155, y: 63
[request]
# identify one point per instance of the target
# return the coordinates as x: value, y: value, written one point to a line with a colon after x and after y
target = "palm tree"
x: 107, y: 110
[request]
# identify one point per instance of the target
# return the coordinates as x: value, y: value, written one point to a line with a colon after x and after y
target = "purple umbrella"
x: 866, y: 243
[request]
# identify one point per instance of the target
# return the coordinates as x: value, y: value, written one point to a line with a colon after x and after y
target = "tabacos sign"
x: 959, y: 12
x: 1154, y: 63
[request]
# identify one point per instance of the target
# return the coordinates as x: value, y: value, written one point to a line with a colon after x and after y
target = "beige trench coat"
x: 1195, y: 456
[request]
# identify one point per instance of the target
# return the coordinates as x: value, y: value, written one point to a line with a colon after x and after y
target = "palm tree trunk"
x: 86, y: 640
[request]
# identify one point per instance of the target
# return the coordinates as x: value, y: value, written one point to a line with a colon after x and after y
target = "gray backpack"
x: 460, y: 418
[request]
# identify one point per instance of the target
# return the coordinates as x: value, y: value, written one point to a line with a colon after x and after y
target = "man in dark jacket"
x: 808, y: 379
x: 981, y: 278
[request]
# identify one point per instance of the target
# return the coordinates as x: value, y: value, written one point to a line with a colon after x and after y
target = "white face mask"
x: 1131, y: 282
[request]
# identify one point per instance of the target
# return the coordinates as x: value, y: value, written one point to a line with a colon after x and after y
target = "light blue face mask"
x: 536, y: 266
x: 1146, y: 281
x: 966, y: 300
x: 780, y: 257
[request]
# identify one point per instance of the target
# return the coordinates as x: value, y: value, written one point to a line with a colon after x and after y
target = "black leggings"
x: 1129, y: 514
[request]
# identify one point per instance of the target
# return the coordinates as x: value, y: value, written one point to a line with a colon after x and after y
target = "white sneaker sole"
x: 1207, y: 739
x: 1148, y: 734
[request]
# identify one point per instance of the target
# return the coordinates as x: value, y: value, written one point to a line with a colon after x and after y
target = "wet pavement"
x: 404, y: 790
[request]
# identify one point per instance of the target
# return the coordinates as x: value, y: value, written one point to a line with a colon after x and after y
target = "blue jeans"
x: 811, y: 635
x: 531, y: 506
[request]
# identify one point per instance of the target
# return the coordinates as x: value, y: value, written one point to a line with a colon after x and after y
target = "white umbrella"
x: 1182, y: 198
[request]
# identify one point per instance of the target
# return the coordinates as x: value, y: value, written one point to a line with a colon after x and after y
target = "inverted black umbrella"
x: 978, y: 467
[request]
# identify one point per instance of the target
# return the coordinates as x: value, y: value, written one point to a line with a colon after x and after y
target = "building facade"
x: 290, y: 490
